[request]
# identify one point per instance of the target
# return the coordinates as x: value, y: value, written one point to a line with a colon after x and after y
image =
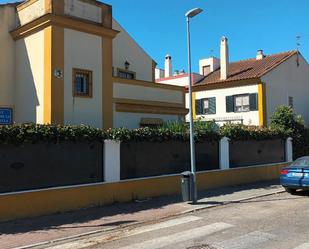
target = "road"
x: 279, y: 221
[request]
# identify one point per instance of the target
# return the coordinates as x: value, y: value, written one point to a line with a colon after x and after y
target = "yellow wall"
x: 7, y: 58
x: 262, y: 104
x: 29, y: 88
x: 82, y: 51
x: 126, y: 49
x: 42, y: 202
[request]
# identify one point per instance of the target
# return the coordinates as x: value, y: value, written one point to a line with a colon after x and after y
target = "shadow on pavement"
x: 75, y: 219
x: 102, y: 215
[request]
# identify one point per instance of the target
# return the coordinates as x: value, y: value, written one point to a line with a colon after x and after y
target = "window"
x: 82, y: 83
x: 125, y: 74
x: 242, y: 103
x: 205, y: 106
x: 291, y: 101
x: 206, y: 70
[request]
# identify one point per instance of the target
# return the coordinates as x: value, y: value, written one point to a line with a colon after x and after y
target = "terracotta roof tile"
x: 247, y: 69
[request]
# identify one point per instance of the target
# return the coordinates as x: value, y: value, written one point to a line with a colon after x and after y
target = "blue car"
x: 296, y: 176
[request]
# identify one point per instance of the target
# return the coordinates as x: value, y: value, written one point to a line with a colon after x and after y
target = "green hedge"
x: 33, y: 133
x: 242, y: 132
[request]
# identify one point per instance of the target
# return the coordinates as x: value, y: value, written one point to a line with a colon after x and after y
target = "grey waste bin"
x: 186, y: 185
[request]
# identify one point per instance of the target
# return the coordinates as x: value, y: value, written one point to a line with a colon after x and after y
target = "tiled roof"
x: 247, y: 69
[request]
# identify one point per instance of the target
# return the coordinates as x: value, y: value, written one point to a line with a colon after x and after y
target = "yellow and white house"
x: 70, y: 62
x: 246, y: 91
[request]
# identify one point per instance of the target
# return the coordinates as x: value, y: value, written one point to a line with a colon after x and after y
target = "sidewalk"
x: 23, y: 233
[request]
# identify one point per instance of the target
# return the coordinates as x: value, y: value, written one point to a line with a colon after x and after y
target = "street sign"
x: 6, y: 116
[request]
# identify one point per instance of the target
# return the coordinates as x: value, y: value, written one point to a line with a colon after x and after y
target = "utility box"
x: 186, y: 186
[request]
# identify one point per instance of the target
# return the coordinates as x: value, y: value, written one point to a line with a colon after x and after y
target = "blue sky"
x: 159, y: 27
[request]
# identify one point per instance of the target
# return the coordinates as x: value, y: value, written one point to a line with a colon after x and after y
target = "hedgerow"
x: 35, y: 133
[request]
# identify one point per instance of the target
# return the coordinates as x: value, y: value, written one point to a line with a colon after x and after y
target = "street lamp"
x: 190, y: 14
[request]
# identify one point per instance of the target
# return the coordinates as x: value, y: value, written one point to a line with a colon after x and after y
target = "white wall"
x: 83, y: 51
x: 132, y: 120
x: 29, y: 103
x: 126, y: 49
x: 32, y: 12
x: 159, y: 73
x: 136, y: 92
x: 7, y: 58
x: 250, y: 118
x: 181, y: 80
x: 213, y: 62
x: 288, y: 80
x: 83, y: 10
x: 127, y: 91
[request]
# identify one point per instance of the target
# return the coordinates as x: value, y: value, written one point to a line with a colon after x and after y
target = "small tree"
x: 284, y: 118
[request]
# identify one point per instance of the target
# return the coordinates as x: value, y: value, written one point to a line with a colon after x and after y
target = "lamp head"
x: 193, y: 12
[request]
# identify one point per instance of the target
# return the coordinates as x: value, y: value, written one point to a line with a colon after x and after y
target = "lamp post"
x: 189, y: 15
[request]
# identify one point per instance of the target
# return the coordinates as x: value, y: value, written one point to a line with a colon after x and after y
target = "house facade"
x: 249, y: 91
x: 70, y: 62
x: 246, y: 91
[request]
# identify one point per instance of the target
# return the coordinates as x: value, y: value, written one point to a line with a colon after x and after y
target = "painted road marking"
x: 303, y: 246
x: 250, y: 240
x: 165, y: 224
x: 180, y: 237
x: 148, y: 228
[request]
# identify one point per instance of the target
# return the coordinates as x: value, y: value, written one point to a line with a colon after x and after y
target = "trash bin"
x: 186, y: 185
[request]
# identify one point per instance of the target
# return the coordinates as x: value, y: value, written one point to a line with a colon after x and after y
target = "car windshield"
x: 301, y: 162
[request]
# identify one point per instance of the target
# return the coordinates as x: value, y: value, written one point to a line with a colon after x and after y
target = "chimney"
x: 168, y: 66
x: 259, y: 54
x: 224, y: 58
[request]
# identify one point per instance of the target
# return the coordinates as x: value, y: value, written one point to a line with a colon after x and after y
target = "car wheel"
x: 290, y: 191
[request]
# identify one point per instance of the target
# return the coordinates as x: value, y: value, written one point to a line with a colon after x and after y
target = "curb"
x: 108, y: 231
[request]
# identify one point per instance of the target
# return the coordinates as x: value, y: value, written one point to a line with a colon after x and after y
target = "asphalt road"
x: 279, y: 221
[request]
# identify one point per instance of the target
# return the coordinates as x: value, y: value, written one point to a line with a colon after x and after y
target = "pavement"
x: 278, y: 221
x: 51, y: 230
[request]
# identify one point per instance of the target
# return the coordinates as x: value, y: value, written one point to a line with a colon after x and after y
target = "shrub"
x: 160, y: 134
x: 284, y: 118
x: 34, y: 133
x: 242, y: 132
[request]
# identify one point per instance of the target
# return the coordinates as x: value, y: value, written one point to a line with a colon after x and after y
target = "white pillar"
x: 289, y: 150
x: 111, y: 161
x: 224, y: 156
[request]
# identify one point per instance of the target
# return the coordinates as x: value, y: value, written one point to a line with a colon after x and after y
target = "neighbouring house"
x: 70, y: 62
x: 248, y: 91
x: 178, y: 78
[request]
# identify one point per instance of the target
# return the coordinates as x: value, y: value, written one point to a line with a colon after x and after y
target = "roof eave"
x: 279, y: 63
x: 227, y: 84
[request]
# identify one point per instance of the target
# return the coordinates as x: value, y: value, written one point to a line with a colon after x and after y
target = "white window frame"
x: 243, y: 107
x: 206, y: 110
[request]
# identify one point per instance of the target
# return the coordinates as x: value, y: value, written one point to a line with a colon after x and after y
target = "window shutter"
x: 199, y: 106
x: 212, y: 105
x: 253, y: 98
x: 229, y: 101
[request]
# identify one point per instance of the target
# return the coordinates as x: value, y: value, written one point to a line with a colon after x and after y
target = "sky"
x: 159, y: 27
